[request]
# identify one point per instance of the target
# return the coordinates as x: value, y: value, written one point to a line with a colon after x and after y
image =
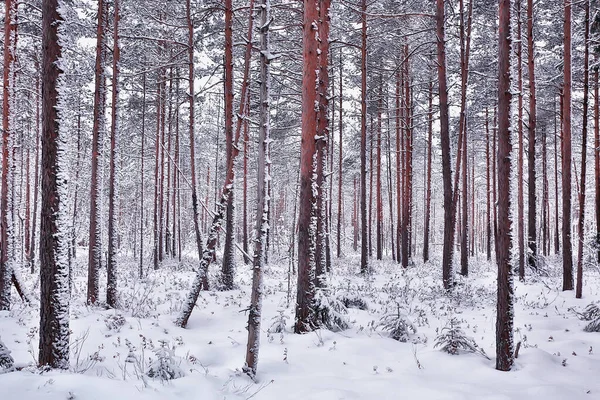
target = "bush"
x: 330, y: 312
x: 591, y: 313
x: 167, y: 365
x: 6, y: 360
x: 452, y: 339
x: 397, y: 324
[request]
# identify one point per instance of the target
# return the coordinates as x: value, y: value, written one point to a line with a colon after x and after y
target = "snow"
x: 362, y: 362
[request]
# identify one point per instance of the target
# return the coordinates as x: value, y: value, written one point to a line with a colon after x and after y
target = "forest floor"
x: 113, y: 351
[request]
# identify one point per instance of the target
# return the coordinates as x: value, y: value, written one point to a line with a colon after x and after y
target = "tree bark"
x: 54, y: 270
x: 111, y: 269
x: 364, y: 254
x: 307, y: 217
x: 448, y: 249
x: 95, y: 249
x: 586, y: 78
x: 228, y: 268
x: 255, y: 311
x: 428, y: 179
x: 5, y: 267
x: 531, y: 214
x: 566, y: 155
x: 504, y: 312
x: 142, y: 183
x: 190, y: 23
x: 520, y: 211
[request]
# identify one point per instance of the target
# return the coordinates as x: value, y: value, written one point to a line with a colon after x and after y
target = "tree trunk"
x: 322, y: 144
x: 556, y: 139
x: 379, y: 203
x: 531, y: 215
x: 36, y: 179
x: 448, y: 250
x: 111, y: 270
x: 597, y: 156
x: 95, y: 249
x: 504, y: 312
x: 142, y: 183
x: 364, y: 254
x: 54, y: 270
x: 156, y: 214
x: 428, y: 179
x: 586, y: 78
x: 488, y: 219
x: 340, y: 164
x: 228, y: 268
x: 520, y: 214
x: 255, y: 311
x: 190, y: 23
x: 5, y: 268
x: 566, y: 155
x: 307, y: 218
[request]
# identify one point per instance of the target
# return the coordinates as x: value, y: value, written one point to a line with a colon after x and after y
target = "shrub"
x: 452, y: 339
x: 397, y: 324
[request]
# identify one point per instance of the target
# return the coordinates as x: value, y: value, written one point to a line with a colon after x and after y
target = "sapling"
x: 6, y: 360
x: 452, y: 339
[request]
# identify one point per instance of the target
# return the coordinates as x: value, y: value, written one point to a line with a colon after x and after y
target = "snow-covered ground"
x: 114, y: 350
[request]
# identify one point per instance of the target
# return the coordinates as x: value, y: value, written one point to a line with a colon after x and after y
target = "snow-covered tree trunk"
x: 263, y: 178
x: 111, y: 269
x: 95, y: 249
x: 54, y: 269
x: 531, y: 214
x: 190, y: 37
x: 142, y: 183
x: 566, y: 154
x: 364, y: 252
x: 504, y: 311
x: 586, y: 78
x: 5, y: 267
x: 228, y: 268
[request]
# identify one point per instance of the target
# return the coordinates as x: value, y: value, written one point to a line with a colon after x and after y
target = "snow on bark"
x: 262, y: 211
x: 54, y: 228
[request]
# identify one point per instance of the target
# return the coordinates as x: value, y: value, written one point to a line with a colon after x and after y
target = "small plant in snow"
x: 114, y: 322
x: 279, y: 322
x: 167, y: 364
x: 6, y: 360
x: 330, y: 312
x: 452, y: 339
x: 397, y: 324
x: 591, y: 313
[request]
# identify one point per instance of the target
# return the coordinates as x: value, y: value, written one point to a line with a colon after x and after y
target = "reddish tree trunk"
x: 5, y: 269
x: 54, y: 271
x: 307, y: 229
x: 504, y: 312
